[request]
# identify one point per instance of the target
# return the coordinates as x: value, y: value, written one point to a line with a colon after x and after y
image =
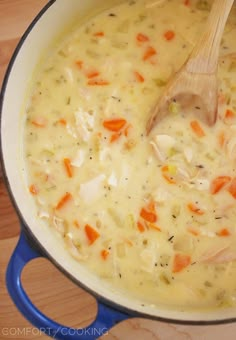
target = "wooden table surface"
x: 54, y: 294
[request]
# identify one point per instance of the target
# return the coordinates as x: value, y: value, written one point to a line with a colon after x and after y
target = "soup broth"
x: 154, y: 215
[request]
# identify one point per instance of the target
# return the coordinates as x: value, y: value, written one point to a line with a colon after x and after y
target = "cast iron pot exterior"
x: 38, y: 240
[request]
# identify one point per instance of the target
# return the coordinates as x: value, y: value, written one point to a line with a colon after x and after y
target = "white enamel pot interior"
x: 38, y: 38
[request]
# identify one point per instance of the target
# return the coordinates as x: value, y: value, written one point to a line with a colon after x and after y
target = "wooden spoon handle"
x: 204, y: 57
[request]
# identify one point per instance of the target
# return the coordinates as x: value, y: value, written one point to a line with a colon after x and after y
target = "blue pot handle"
x: 106, y: 316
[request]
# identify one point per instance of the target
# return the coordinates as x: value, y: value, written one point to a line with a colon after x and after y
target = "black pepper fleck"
x: 171, y: 238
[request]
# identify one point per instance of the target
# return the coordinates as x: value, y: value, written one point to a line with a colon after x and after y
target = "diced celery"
x: 174, y: 107
x: 159, y: 82
x: 131, y: 221
x: 203, y: 5
x: 172, y: 169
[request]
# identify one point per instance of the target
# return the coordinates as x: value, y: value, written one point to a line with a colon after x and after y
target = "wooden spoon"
x: 195, y: 84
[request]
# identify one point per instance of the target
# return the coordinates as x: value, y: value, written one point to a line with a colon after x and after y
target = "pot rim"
x: 35, y: 243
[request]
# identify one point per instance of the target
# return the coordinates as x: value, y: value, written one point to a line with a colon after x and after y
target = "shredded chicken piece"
x: 74, y: 251
x: 155, y: 3
x: 59, y: 224
x: 162, y: 144
x: 221, y: 255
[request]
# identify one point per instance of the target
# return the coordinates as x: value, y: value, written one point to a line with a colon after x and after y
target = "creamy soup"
x: 153, y: 215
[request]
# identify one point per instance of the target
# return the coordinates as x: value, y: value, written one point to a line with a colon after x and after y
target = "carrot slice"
x: 148, y: 216
x: 150, y: 51
x: 193, y: 208
x: 92, y: 74
x: 229, y: 114
x: 33, y: 189
x: 141, y: 227
x: 218, y: 183
x: 142, y: 37
x: 91, y: 233
x: 98, y: 82
x: 99, y: 34
x: 114, y: 125
x: 79, y: 64
x: 221, y: 138
x: 151, y: 206
x: 187, y: 2
x: 193, y: 231
x: 180, y: 262
x: 115, y: 136
x: 221, y: 98
x: 197, y: 128
x: 130, y: 243
x: 170, y: 180
x: 76, y: 224
x: 232, y: 188
x: 165, y: 168
x: 169, y: 35
x: 62, y: 121
x: 154, y: 226
x: 223, y: 232
x: 139, y: 78
x: 126, y: 130
x: 40, y: 122
x: 68, y: 167
x: 104, y: 254
x: 65, y: 199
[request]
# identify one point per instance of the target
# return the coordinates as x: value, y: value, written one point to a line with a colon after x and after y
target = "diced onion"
x: 79, y: 159
x: 92, y: 190
x: 112, y: 180
x: 148, y: 259
x: 43, y: 214
x: 69, y: 74
x: 161, y: 195
x: 202, y: 184
x: 84, y: 124
x: 188, y: 154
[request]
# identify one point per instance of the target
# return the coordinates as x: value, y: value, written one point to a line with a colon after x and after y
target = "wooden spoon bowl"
x: 195, y: 86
